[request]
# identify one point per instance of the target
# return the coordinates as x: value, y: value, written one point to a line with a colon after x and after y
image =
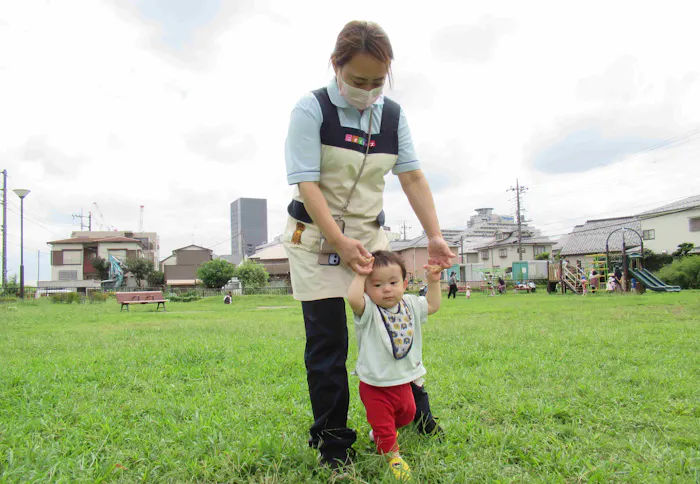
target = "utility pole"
x: 404, y: 227
x: 519, y: 190
x: 38, y: 267
x: 4, y: 230
x: 81, y: 217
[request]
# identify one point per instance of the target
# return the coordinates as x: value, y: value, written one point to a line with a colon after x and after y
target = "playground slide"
x: 652, y: 282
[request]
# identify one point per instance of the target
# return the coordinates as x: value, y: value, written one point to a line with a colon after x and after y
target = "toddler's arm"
x: 356, y: 292
x: 434, y: 295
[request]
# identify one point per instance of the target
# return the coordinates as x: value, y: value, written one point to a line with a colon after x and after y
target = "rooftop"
x: 677, y: 206
x: 590, y: 237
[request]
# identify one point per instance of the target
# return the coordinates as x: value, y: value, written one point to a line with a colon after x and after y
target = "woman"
x: 342, y: 140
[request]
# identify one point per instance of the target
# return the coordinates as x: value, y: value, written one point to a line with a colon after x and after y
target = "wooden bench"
x: 144, y: 297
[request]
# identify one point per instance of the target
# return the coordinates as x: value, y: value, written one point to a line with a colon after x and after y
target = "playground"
x: 538, y: 388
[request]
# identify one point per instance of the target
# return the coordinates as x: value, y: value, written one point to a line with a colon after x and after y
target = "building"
x: 486, y: 223
x: 248, y: 225
x: 180, y: 268
x: 71, y: 259
x: 274, y: 258
x: 150, y: 241
x: 589, y: 239
x: 501, y: 251
x: 414, y: 253
x: 664, y: 228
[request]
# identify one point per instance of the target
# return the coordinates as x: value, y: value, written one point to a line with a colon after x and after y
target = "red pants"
x: 388, y: 409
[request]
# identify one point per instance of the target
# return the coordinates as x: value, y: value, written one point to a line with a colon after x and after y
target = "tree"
x: 140, y: 268
x: 216, y: 273
x: 252, y: 274
x: 683, y: 249
x: 542, y: 256
x: 653, y: 261
x: 157, y: 278
x: 12, y: 288
x: 102, y: 267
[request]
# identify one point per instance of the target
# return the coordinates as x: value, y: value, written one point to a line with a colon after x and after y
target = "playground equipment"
x: 649, y: 280
x: 116, y: 274
x: 569, y: 276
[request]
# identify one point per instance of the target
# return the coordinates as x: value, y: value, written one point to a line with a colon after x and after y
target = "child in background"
x: 468, y: 292
x: 584, y: 285
x: 388, y: 326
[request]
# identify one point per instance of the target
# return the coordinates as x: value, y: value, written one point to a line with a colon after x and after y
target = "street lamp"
x: 21, y: 194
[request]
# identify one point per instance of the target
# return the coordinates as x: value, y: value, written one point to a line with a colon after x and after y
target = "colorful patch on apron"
x: 359, y: 140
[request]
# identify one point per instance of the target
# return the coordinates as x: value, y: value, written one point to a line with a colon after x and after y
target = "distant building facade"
x: 248, y: 225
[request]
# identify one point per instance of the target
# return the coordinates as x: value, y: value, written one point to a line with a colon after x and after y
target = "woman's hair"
x: 359, y: 37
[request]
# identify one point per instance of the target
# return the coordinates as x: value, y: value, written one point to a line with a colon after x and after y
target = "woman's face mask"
x: 356, y: 97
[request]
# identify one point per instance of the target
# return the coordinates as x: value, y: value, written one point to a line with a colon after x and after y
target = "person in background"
x: 228, y: 298
x: 453, y: 286
x: 468, y: 292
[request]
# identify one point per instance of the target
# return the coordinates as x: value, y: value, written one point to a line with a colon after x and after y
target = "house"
x: 415, y: 253
x: 589, y: 239
x: 664, y: 228
x: 502, y: 250
x: 71, y: 260
x: 274, y: 259
x: 180, y: 268
x: 149, y: 240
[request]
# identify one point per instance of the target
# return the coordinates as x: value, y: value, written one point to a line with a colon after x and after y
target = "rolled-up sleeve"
x: 302, y: 149
x: 408, y: 159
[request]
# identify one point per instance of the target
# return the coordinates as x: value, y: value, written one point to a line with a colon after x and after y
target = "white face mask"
x: 356, y: 97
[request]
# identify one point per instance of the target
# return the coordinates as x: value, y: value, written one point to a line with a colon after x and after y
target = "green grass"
x: 529, y: 388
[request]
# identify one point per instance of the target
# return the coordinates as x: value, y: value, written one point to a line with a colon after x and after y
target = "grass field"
x: 529, y: 388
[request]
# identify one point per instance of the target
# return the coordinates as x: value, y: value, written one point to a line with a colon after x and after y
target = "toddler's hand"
x: 434, y: 272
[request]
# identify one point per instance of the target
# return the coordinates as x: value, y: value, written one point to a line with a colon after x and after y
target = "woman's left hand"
x: 439, y: 253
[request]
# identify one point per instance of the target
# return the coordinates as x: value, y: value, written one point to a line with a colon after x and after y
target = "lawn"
x: 529, y: 388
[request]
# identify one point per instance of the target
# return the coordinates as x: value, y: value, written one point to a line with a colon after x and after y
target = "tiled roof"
x: 422, y: 241
x: 590, y: 237
x: 513, y: 240
x: 90, y: 240
x: 685, y: 204
x: 273, y: 252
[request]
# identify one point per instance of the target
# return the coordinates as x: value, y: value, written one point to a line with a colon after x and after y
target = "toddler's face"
x: 385, y: 286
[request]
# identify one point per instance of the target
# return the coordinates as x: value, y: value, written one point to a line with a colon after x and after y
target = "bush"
x: 7, y: 298
x: 684, y: 273
x: 65, y: 297
x: 97, y: 296
x: 188, y: 296
x: 653, y: 261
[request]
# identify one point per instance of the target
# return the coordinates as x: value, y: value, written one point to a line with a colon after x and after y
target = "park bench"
x: 143, y: 297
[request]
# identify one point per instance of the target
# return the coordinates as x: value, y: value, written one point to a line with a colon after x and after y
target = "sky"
x: 183, y: 106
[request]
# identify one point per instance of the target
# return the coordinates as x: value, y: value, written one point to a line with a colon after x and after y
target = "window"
x: 539, y: 249
x: 648, y: 234
x: 500, y: 236
x: 120, y: 255
x: 694, y: 224
x: 72, y: 257
x: 485, y: 254
x: 503, y: 252
x: 67, y: 275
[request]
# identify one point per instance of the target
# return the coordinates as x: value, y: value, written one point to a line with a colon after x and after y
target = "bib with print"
x: 399, y: 325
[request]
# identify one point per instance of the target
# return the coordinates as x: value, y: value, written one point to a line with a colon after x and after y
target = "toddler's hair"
x: 383, y: 258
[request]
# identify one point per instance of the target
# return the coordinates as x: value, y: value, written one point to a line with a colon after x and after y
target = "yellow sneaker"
x: 400, y: 469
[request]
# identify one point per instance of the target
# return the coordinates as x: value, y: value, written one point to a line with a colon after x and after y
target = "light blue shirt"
x: 303, y: 145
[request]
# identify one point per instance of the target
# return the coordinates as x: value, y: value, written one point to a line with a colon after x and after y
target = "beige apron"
x: 339, y: 169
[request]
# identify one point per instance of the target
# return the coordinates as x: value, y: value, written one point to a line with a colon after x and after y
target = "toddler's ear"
x: 405, y: 284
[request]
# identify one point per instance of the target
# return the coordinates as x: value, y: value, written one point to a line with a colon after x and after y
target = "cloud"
x: 222, y: 144
x: 621, y: 82
x: 465, y: 43
x: 587, y: 147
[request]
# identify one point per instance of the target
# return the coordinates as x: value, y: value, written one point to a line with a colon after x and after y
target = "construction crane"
x: 102, y: 225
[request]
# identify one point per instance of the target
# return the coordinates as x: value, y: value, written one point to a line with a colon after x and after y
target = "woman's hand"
x: 439, y: 253
x: 354, y: 254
